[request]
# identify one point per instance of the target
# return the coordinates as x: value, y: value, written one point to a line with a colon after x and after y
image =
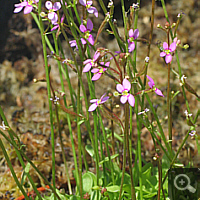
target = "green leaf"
x: 90, y: 150
x: 107, y: 159
x: 26, y: 171
x: 87, y: 182
x: 113, y: 188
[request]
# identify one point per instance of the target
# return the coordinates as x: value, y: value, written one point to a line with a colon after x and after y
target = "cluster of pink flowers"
x: 27, y: 5
x: 97, y: 65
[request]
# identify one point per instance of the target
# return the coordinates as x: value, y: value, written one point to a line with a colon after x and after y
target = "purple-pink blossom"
x: 27, y: 5
x: 99, y: 71
x: 57, y: 26
x: 73, y: 44
x: 124, y: 89
x: 86, y: 30
x: 91, y: 62
x: 152, y: 86
x: 52, y: 8
x: 167, y: 51
x: 97, y: 102
x: 88, y: 4
x: 133, y: 35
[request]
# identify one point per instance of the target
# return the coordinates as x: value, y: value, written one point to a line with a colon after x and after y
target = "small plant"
x: 120, y: 170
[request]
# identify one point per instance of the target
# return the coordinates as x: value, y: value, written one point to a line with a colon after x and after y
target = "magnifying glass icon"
x: 183, y: 183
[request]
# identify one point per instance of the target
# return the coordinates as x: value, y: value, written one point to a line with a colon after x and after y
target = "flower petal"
x: 172, y: 46
x: 95, y: 70
x: 55, y: 27
x: 94, y: 100
x: 48, y: 5
x: 73, y: 43
x: 107, y: 64
x: 151, y: 82
x: 89, y: 25
x: 96, y: 76
x: 56, y: 6
x: 130, y: 33
x: 28, y: 9
x: 22, y: 4
x: 136, y: 34
x: 123, y: 99
x: 91, y: 40
x: 93, y: 10
x: 126, y: 84
x: 17, y: 9
x: 82, y: 2
x: 131, y: 46
x: 131, y: 100
x: 168, y: 58
x: 104, y: 99
x: 162, y: 54
x: 83, y: 41
x: 87, y: 67
x: 87, y: 61
x: 119, y: 88
x: 96, y: 55
x: 165, y: 45
x: 158, y: 92
x: 92, y: 107
x: 89, y: 2
x: 82, y: 28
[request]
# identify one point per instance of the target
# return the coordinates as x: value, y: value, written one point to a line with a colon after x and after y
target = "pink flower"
x: 91, y: 62
x: 167, y: 51
x: 86, y: 31
x: 57, y: 25
x: 89, y: 7
x: 52, y: 8
x: 124, y: 89
x: 132, y: 36
x: 99, y: 71
x: 26, y: 5
x: 152, y: 86
x: 97, y: 102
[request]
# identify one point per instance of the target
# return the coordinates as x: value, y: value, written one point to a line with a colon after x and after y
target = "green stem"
x: 150, y: 40
x: 139, y: 152
x: 107, y: 147
x: 124, y: 149
x: 48, y: 92
x: 80, y: 186
x: 169, y: 109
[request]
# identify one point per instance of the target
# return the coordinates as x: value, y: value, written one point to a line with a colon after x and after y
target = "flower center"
x: 88, y: 6
x: 87, y: 34
x: 125, y: 93
x: 131, y: 39
x: 101, y: 70
x: 99, y: 101
x: 167, y: 51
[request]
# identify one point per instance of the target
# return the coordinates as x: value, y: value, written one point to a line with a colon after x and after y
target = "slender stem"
x: 159, y: 177
x: 124, y: 148
x: 150, y: 39
x: 79, y: 142
x: 107, y: 148
x: 48, y: 92
x: 169, y: 107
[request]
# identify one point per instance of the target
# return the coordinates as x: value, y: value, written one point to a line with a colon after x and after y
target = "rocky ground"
x: 25, y: 103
